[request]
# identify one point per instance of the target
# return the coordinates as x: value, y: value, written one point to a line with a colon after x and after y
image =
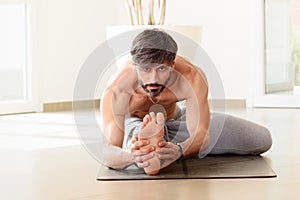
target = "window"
x: 13, y: 53
x: 282, y: 51
x: 16, y: 69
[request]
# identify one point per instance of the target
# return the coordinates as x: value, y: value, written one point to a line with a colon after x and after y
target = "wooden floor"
x: 42, y: 158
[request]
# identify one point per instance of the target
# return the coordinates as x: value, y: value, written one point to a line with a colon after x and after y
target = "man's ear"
x: 173, y: 65
x: 133, y: 65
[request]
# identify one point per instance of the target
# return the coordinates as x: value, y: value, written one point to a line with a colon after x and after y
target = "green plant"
x: 295, y: 57
x: 137, y: 9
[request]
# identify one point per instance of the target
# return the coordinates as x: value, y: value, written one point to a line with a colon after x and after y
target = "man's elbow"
x: 196, y: 144
x: 202, y: 140
x: 116, y: 158
x: 205, y: 143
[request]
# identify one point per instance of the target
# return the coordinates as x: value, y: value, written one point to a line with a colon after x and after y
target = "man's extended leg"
x: 228, y: 134
x: 238, y: 136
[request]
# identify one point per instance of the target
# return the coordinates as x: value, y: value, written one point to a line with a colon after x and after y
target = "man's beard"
x: 154, y: 92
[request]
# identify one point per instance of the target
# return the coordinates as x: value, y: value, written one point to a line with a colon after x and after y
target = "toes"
x: 160, y: 119
x: 145, y: 121
x: 143, y: 124
x: 152, y: 115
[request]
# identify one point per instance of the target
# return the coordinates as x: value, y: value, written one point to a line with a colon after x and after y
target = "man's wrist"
x: 130, y: 156
x: 181, y: 157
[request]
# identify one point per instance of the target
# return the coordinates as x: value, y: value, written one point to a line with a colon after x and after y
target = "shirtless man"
x: 141, y: 104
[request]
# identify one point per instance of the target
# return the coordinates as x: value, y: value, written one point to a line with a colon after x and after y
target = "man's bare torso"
x: 140, y: 103
x: 176, y: 90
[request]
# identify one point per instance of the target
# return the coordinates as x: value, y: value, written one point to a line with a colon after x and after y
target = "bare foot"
x: 152, y: 129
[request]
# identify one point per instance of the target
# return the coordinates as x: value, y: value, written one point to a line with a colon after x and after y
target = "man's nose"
x: 153, y: 76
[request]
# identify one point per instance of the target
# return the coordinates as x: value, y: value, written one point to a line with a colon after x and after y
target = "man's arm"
x: 193, y: 88
x: 197, y: 115
x: 114, y: 107
x: 113, y: 115
x: 112, y: 112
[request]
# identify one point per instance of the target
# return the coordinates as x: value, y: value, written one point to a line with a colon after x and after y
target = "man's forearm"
x: 116, y: 158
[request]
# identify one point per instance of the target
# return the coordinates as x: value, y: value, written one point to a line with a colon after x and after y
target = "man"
x: 142, y: 119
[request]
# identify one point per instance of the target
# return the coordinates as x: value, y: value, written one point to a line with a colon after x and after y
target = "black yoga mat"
x: 229, y: 166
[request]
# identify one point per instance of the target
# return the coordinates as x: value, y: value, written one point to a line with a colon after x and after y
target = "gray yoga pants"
x: 228, y: 134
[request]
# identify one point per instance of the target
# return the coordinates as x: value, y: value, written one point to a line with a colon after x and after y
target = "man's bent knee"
x: 266, y: 140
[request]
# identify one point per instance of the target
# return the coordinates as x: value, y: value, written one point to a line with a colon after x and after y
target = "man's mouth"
x: 153, y: 86
x: 153, y: 89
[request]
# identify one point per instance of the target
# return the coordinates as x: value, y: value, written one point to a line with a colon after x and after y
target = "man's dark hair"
x: 153, y: 46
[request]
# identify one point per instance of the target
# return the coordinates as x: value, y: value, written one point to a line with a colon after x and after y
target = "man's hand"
x: 141, y: 156
x: 168, y: 152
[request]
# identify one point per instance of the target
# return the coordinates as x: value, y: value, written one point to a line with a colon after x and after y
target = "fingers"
x: 167, y: 157
x: 162, y: 143
x: 144, y: 158
x: 168, y: 151
x: 134, y: 138
x: 142, y: 152
x: 137, y: 144
x: 165, y: 150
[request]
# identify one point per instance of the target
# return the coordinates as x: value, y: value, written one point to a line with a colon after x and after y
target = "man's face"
x: 154, y: 79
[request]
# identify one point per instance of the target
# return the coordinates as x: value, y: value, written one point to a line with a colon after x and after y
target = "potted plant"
x: 155, y: 10
x: 137, y: 10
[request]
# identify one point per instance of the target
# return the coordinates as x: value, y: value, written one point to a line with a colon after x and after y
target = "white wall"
x: 229, y: 35
x: 69, y: 30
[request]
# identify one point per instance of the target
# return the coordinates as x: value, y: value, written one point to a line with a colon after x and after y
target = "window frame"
x: 32, y: 102
x: 257, y: 95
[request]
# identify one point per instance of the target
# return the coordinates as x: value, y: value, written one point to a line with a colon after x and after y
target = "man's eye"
x: 147, y: 69
x: 162, y: 68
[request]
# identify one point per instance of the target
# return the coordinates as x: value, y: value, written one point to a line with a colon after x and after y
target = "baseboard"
x: 67, y: 106
x: 235, y: 103
x: 229, y: 103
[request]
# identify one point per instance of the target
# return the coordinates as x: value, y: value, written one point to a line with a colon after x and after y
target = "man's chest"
x: 141, y: 103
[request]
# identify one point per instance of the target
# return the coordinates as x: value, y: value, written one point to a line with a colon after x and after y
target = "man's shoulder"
x: 188, y: 70
x: 124, y: 80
